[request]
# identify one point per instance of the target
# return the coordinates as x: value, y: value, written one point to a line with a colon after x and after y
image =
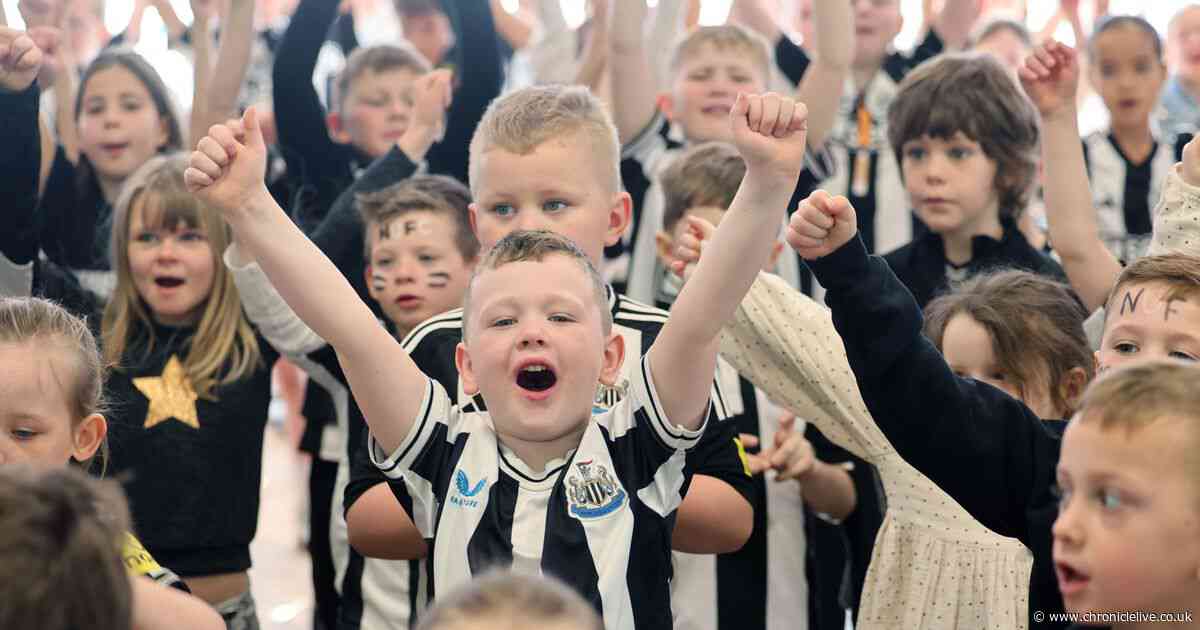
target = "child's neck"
x: 536, y: 455
x: 958, y: 244
x: 863, y: 73
x: 109, y: 188
x: 1135, y: 141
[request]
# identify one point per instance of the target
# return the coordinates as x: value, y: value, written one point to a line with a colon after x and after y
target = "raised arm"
x: 233, y: 60
x: 754, y: 16
x: 821, y: 87
x: 479, y: 75
x: 634, y: 85
x: 594, y: 59
x: 226, y: 171
x: 513, y: 27
x: 20, y: 62
x: 303, y: 135
x: 1050, y: 76
x: 955, y: 21
x: 981, y: 446
x: 769, y: 133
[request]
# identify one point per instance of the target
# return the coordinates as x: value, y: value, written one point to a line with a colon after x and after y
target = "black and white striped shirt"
x: 600, y: 519
x: 1124, y: 193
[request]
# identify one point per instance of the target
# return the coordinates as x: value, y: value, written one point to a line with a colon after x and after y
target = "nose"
x: 406, y: 270
x: 1067, y: 529
x: 167, y: 249
x: 529, y: 220
x: 935, y: 167
x: 531, y: 335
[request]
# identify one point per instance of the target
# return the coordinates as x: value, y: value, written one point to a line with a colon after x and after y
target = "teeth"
x: 536, y: 368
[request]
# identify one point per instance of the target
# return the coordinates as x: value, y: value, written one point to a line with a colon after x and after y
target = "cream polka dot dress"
x: 934, y: 566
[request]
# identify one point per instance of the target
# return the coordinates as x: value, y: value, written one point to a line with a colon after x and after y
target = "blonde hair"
x: 536, y: 245
x: 509, y: 601
x: 28, y: 320
x: 376, y: 60
x: 724, y: 37
x: 224, y: 348
x: 523, y: 120
x: 1141, y: 395
x: 61, y: 535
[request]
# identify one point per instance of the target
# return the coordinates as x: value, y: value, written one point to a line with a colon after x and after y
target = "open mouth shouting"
x: 1070, y: 579
x: 536, y: 379
x: 168, y: 282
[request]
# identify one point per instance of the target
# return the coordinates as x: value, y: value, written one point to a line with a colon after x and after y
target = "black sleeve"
x: 340, y: 234
x: 316, y: 165
x: 364, y: 475
x: 791, y: 59
x: 72, y: 230
x: 981, y: 446
x: 480, y: 75
x: 20, y: 163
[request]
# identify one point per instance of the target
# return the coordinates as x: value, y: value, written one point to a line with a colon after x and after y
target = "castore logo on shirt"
x: 465, y: 492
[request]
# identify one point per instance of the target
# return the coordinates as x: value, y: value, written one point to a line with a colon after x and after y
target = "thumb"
x: 700, y: 227
x: 737, y: 114
x: 748, y: 440
x: 254, y: 136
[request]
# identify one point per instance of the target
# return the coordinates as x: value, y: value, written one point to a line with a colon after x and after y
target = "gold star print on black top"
x: 171, y: 395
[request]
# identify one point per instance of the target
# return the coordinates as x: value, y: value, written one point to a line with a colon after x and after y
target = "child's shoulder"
x: 446, y: 327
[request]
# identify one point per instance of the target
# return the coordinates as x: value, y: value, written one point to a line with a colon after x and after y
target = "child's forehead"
x: 1122, y: 40
x: 739, y: 55
x: 554, y: 276
x: 1145, y: 452
x: 394, y: 77
x: 423, y: 225
x: 566, y: 164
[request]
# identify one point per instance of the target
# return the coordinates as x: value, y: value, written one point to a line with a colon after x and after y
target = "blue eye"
x: 503, y: 210
x: 23, y: 435
x: 503, y: 322
x: 554, y: 205
x: 1109, y: 499
x: 561, y: 317
x: 1177, y: 354
x: 1125, y: 347
x: 192, y: 236
x: 914, y: 153
x: 145, y: 237
x: 426, y: 258
x: 959, y: 153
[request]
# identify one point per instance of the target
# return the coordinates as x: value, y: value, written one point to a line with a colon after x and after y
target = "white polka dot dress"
x: 934, y: 566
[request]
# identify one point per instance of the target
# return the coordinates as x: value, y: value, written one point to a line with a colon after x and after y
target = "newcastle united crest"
x: 592, y: 492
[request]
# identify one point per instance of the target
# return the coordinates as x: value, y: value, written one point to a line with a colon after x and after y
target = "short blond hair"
x: 536, y: 245
x: 1142, y: 395
x: 523, y: 120
x: 505, y: 600
x: 724, y: 37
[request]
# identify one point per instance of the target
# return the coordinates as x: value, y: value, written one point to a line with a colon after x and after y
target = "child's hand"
x: 228, y: 167
x: 431, y: 97
x: 1190, y: 168
x: 770, y: 132
x: 793, y: 456
x: 821, y: 225
x: 1050, y: 76
x: 20, y: 60
x: 690, y: 245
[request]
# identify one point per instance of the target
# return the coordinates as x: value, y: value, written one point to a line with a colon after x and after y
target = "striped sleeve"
x: 672, y: 436
x: 139, y: 562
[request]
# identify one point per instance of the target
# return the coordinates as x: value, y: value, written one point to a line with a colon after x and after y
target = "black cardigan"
x: 921, y: 265
x: 978, y: 444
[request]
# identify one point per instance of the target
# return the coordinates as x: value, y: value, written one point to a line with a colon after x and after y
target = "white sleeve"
x: 268, y: 311
x: 671, y: 434
x: 15, y: 280
x: 1177, y: 218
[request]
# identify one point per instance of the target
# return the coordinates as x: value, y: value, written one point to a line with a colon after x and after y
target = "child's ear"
x: 466, y: 374
x: 1096, y: 367
x: 1072, y: 385
x: 666, y: 248
x: 620, y: 213
x: 614, y: 355
x: 337, y: 128
x: 666, y: 104
x: 164, y: 133
x: 89, y: 435
x: 473, y: 218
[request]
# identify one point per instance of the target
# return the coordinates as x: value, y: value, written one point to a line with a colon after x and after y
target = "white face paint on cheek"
x: 438, y: 279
